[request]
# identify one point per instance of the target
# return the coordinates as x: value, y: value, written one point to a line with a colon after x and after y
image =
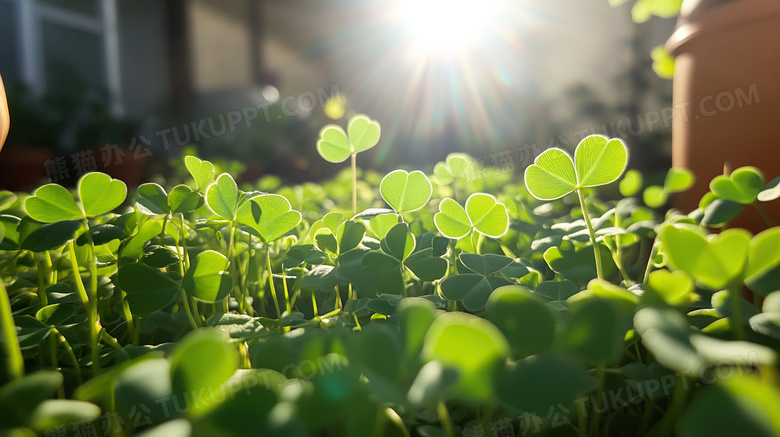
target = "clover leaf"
x: 52, y: 203
x: 363, y: 133
x: 742, y: 186
x: 268, y: 216
x: 714, y: 261
x: 222, y: 196
x: 597, y: 161
x: 554, y: 174
x: 335, y: 146
x: 202, y: 172
x: 100, y: 193
x: 207, y: 278
x: 483, y: 213
x: 406, y: 192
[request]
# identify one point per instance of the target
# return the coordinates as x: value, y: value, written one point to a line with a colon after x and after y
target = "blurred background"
x: 124, y: 86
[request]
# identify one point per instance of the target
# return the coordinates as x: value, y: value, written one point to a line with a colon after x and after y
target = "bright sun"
x: 446, y: 26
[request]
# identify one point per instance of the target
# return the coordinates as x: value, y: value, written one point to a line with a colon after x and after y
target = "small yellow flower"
x: 5, y: 119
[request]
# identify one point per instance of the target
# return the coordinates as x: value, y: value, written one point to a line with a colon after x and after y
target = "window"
x: 43, y: 40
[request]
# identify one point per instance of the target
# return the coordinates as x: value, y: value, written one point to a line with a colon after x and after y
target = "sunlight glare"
x: 446, y: 26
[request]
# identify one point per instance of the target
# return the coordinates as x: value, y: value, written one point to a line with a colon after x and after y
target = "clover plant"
x: 335, y: 145
x: 730, y: 193
x: 597, y: 161
x: 209, y: 308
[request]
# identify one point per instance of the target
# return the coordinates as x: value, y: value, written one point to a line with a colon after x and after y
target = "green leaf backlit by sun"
x: 597, y: 161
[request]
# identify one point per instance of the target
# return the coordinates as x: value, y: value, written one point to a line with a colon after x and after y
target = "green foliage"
x: 406, y: 192
x: 336, y: 146
x: 207, y: 278
x: 483, y: 214
x: 597, y: 161
x: 222, y: 197
x: 472, y: 346
x: 741, y: 186
x: 677, y: 180
x: 268, y: 216
x: 644, y: 9
x: 52, y: 203
x: 219, y: 309
x: 99, y: 193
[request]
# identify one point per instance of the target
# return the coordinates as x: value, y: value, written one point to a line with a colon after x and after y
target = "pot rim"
x: 728, y: 16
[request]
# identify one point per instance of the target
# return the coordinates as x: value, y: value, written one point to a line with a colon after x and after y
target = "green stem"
x: 354, y: 183
x: 74, y: 361
x: 243, y: 353
x: 763, y: 214
x: 82, y: 292
x: 137, y: 330
x: 42, y: 296
x: 53, y: 352
x: 618, y: 246
x: 90, y: 307
x: 11, y: 341
x: 596, y: 252
x: 183, y: 241
x: 617, y: 259
x: 128, y: 314
x: 581, y: 423
x: 288, y: 306
x: 272, y: 287
x: 391, y: 415
x: 195, y: 311
x: 594, y: 423
x: 186, y: 304
x: 649, y: 268
x: 243, y: 271
x: 638, y: 354
x: 337, y: 304
x: 444, y: 418
x: 646, y: 417
x: 93, y: 279
x: 237, y: 293
x: 94, y: 314
x: 108, y: 339
x: 679, y: 398
x: 736, y: 313
x: 317, y: 319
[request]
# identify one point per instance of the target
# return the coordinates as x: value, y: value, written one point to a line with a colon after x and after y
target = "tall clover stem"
x: 649, y: 268
x: 736, y: 312
x: 187, y: 310
x: 74, y: 361
x: 272, y: 287
x: 596, y: 252
x: 10, y: 340
x: 93, y: 277
x: 763, y: 214
x: 444, y: 419
x: 89, y: 306
x: 354, y: 183
x: 237, y: 292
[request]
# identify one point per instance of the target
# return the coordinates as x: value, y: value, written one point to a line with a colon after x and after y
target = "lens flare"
x: 446, y: 26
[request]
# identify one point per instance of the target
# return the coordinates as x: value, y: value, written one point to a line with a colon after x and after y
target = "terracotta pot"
x: 727, y: 96
x: 23, y: 169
